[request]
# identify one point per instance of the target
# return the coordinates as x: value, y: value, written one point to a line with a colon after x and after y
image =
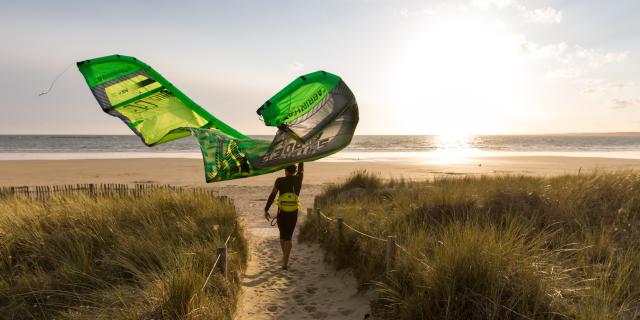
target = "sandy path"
x: 311, y: 289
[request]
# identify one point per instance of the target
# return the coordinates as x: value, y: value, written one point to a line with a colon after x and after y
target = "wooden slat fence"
x: 102, y: 189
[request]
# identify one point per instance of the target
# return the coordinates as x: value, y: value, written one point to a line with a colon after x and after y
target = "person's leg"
x: 286, y: 251
x: 284, y: 231
x: 283, y: 246
x: 292, y: 218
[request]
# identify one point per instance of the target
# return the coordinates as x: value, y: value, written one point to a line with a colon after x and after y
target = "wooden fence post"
x: 340, y: 223
x: 317, y: 213
x: 222, y: 263
x: 391, y: 252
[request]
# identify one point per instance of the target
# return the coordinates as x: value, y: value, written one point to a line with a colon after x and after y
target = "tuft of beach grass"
x: 505, y: 247
x: 143, y: 256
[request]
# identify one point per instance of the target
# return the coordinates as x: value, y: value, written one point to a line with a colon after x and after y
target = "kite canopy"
x: 316, y: 115
x: 151, y: 106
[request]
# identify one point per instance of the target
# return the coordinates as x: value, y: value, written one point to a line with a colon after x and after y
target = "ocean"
x: 363, y: 147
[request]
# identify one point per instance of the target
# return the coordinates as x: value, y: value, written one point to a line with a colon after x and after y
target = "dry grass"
x: 117, y: 257
x: 509, y: 247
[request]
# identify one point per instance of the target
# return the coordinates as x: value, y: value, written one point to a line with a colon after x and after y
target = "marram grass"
x: 506, y: 247
x: 117, y: 257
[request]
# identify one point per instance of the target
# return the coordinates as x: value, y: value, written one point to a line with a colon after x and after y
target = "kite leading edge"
x: 316, y: 115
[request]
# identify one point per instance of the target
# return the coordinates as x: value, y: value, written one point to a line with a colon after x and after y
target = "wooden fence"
x: 391, y: 243
x: 93, y: 189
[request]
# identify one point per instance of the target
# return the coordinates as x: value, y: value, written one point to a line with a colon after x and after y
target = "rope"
x: 235, y: 225
x: 55, y: 80
x: 322, y: 214
x: 379, y: 239
x: 414, y: 257
x: 210, y: 272
x: 364, y: 234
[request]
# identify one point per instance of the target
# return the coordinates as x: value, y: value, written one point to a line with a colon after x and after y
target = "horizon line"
x: 393, y: 134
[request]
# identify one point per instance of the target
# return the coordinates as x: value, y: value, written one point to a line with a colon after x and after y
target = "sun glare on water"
x: 459, y: 77
x: 452, y: 148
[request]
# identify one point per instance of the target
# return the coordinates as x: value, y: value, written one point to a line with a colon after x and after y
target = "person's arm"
x: 300, y: 174
x: 272, y: 197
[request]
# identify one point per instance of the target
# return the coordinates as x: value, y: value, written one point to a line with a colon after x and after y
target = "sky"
x: 416, y: 67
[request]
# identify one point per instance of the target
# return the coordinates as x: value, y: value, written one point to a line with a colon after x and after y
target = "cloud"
x: 500, y: 4
x: 546, y: 15
x: 571, y: 61
x: 548, y: 51
x: 599, y: 86
x: 598, y: 57
x: 624, y: 103
x: 406, y: 13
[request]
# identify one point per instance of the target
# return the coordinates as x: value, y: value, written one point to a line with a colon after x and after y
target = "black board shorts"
x: 286, y: 223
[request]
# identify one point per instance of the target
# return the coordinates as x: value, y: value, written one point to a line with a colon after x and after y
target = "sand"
x: 189, y: 171
x: 312, y: 289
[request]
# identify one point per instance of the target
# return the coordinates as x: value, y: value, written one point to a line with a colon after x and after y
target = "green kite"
x: 316, y: 115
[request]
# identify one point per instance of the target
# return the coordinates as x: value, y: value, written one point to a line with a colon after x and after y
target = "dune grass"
x: 118, y: 257
x: 507, y: 247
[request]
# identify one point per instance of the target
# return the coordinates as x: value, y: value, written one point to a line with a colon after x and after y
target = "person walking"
x: 288, y: 190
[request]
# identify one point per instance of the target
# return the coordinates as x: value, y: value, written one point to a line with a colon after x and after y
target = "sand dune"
x: 311, y: 289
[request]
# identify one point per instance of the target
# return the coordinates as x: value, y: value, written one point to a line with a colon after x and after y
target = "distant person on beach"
x: 288, y: 189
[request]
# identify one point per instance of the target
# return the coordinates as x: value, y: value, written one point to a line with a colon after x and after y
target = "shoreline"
x: 179, y: 171
x: 453, y: 155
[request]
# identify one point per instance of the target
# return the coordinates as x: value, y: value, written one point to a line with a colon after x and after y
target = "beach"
x: 312, y: 289
x: 185, y: 172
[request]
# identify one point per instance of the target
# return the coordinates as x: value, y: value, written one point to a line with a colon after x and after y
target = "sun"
x: 459, y: 77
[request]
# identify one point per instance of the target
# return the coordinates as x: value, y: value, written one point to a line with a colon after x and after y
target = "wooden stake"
x: 340, y: 223
x: 222, y: 263
x: 391, y: 252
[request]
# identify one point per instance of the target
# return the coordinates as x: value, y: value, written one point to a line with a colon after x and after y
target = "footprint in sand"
x: 298, y: 298
x: 346, y: 312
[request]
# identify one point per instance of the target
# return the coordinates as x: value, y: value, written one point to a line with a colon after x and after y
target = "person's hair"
x: 290, y: 169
